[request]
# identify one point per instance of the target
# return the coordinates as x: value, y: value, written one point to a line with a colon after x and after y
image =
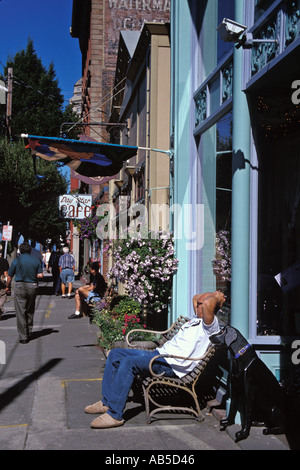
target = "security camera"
x: 230, y: 31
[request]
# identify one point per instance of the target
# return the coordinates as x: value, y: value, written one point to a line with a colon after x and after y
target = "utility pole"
x: 9, y: 102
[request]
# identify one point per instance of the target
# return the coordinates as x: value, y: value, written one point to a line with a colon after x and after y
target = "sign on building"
x: 77, y: 206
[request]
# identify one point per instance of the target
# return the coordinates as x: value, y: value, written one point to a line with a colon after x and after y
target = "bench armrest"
x: 194, y: 359
x: 141, y: 330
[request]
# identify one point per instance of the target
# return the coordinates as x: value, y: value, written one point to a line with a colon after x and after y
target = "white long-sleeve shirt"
x: 192, y: 340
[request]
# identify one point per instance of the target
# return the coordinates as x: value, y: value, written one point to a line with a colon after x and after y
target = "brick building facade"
x: 97, y: 25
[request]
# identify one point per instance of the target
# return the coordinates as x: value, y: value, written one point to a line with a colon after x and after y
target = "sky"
x: 47, y: 23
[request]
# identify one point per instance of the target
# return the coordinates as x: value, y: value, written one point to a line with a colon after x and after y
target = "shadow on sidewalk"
x: 44, y: 332
x: 13, y: 392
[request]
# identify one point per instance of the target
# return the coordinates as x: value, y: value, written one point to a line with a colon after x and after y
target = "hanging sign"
x: 76, y: 206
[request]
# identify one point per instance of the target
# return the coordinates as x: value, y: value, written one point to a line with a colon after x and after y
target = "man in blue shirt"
x: 36, y: 253
x: 66, y: 265
x: 26, y: 269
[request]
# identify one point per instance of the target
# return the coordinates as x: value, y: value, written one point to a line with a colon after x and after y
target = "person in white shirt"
x: 123, y: 365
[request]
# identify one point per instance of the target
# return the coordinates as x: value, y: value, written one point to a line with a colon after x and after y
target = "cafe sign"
x: 77, y: 206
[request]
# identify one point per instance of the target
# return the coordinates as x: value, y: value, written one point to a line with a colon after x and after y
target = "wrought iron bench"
x: 159, y: 390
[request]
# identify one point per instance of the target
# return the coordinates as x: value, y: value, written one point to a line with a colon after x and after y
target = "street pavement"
x: 46, y: 384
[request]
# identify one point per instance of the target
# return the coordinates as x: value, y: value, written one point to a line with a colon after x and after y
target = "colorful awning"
x: 90, y: 159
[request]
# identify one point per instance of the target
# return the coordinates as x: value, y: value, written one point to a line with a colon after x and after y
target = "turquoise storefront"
x: 235, y: 139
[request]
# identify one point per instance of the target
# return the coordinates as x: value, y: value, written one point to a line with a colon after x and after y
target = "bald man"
x: 123, y: 365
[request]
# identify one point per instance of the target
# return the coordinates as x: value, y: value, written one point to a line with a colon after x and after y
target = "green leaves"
x: 115, y: 322
x: 36, y: 99
x: 29, y: 204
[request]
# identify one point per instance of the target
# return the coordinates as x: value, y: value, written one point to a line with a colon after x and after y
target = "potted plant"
x: 115, y: 322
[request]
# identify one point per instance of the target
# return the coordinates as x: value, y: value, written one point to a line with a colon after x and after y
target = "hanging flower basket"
x: 146, y: 267
x: 87, y: 228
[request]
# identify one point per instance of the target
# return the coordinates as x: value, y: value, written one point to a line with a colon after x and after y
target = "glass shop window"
x: 140, y: 185
x: 261, y: 7
x: 225, y: 10
x: 224, y: 173
x: 278, y: 289
x: 214, y: 93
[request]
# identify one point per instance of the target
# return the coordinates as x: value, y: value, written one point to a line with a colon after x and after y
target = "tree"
x: 37, y: 100
x: 28, y: 200
x: 70, y: 117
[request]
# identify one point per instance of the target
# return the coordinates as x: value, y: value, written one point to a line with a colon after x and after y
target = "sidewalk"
x: 46, y: 384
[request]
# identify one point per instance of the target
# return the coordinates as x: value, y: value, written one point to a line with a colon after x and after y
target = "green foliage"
x: 115, y: 322
x: 127, y: 306
x: 70, y: 116
x: 87, y: 228
x: 37, y: 99
x: 30, y: 204
x: 109, y: 330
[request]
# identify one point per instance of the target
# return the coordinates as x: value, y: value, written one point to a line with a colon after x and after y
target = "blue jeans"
x: 120, y: 370
x: 67, y: 276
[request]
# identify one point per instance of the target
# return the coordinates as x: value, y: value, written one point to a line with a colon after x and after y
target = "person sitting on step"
x: 89, y: 293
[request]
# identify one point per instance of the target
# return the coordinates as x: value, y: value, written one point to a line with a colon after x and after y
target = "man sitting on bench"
x: 123, y: 365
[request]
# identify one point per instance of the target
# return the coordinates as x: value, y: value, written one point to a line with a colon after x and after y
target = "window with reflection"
x: 225, y: 10
x: 224, y: 173
x: 279, y: 242
x: 261, y: 7
x: 214, y: 94
x: 223, y: 191
x: 278, y: 277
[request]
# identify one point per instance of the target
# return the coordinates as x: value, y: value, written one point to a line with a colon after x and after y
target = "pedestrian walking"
x: 47, y: 258
x: 67, y: 269
x: 3, y: 277
x: 26, y: 269
x: 53, y: 265
x: 36, y: 253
